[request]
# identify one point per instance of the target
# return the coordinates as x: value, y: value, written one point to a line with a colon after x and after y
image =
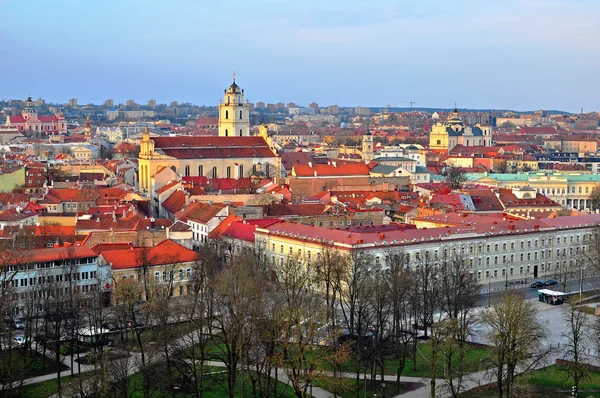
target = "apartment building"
x: 513, y: 251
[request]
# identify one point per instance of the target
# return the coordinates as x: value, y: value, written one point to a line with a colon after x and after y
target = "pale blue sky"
x: 517, y: 54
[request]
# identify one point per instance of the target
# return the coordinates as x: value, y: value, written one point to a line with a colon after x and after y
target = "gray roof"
x: 393, y: 159
x: 383, y: 169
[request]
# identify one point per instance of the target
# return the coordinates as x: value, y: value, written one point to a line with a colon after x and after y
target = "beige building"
x: 212, y: 157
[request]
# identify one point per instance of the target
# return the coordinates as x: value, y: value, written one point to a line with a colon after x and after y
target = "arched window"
x: 226, y: 133
x: 214, y: 172
x: 200, y: 170
x: 228, y: 99
x: 241, y: 113
x: 187, y: 171
x: 579, y: 189
x: 241, y: 132
x: 587, y: 189
x: 241, y: 171
x: 226, y: 114
x: 228, y: 171
x: 174, y: 169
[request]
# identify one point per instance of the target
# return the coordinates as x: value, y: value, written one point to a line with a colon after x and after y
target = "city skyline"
x: 516, y: 55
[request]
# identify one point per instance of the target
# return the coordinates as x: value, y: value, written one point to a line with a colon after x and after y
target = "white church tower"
x: 234, y: 113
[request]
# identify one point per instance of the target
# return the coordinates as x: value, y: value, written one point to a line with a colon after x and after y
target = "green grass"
x: 214, y: 386
x: 347, y: 388
x: 552, y: 377
x: 40, y: 390
x: 474, y: 356
x: 26, y: 363
x: 549, y: 382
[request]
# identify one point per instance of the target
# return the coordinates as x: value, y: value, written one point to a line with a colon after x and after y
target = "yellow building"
x: 211, y: 157
x: 447, y: 135
x: 234, y: 113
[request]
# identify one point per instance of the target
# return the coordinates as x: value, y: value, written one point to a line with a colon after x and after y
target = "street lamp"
x: 489, y: 278
x: 383, y: 390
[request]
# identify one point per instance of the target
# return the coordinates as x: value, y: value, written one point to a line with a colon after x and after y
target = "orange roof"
x: 166, y: 252
x: 227, y: 221
x: 204, y: 213
x: 53, y: 254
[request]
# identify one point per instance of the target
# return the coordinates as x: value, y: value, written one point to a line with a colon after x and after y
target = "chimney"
x: 309, y: 164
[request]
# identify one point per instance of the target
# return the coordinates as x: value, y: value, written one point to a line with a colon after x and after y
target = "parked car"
x: 19, y: 340
x: 17, y: 324
x: 538, y: 284
x: 551, y: 282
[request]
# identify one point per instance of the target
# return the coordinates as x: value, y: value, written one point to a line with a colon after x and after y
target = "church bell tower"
x: 234, y: 113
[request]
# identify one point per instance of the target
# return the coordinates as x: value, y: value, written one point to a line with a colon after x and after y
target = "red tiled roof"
x: 348, y: 169
x: 175, y: 202
x: 208, y: 147
x: 240, y: 230
x: 204, y: 213
x: 219, y: 229
x: 166, y: 252
x: 52, y: 254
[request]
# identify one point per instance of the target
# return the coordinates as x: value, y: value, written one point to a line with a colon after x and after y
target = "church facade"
x: 29, y: 120
x: 226, y: 156
x: 445, y: 136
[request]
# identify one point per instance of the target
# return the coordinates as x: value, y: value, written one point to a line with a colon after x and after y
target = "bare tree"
x: 455, y: 176
x: 517, y: 339
x: 576, y: 343
x: 301, y: 316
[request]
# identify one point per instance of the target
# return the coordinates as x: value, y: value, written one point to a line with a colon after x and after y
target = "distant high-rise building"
x: 272, y: 107
x: 260, y: 105
x: 362, y: 111
x: 39, y: 102
x: 315, y: 106
x: 152, y: 104
x: 251, y: 106
x: 109, y: 103
x: 130, y: 102
x: 292, y: 105
x: 174, y: 104
x: 333, y: 109
x: 73, y: 102
x: 280, y: 106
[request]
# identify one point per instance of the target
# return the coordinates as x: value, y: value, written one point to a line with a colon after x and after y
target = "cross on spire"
x: 234, y: 76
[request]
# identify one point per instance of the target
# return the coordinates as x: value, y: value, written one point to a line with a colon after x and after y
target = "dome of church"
x: 234, y: 88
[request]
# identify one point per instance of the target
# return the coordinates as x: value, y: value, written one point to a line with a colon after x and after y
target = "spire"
x: 234, y: 76
x: 87, y: 123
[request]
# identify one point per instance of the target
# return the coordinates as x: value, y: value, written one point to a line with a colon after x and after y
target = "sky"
x: 499, y: 54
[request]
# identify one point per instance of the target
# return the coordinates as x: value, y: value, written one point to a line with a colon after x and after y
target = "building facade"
x: 29, y: 120
x: 510, y: 252
x: 447, y: 135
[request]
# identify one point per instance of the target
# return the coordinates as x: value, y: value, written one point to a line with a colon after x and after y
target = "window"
x: 187, y: 171
x: 226, y: 114
x: 228, y: 171
x: 164, y: 276
x: 280, y: 248
x: 241, y: 172
x: 188, y: 272
x: 214, y: 172
x: 226, y: 133
x: 156, y: 277
x: 181, y: 273
x: 241, y: 133
x: 241, y: 114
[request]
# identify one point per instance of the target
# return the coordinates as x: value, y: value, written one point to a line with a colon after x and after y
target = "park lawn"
x: 552, y: 377
x: 39, y: 390
x: 474, y: 358
x: 28, y: 363
x: 214, y: 385
x: 347, y: 388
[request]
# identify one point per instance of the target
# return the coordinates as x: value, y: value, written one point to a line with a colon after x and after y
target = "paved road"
x: 498, y: 288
